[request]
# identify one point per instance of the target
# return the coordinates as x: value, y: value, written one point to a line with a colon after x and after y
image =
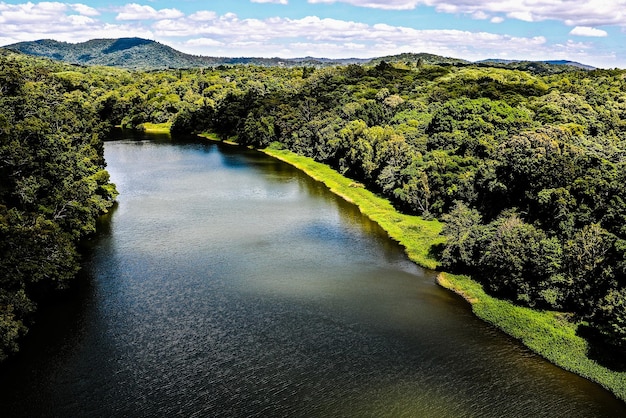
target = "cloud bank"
x: 570, y: 12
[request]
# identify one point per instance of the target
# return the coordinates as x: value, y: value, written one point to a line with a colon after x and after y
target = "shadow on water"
x: 58, y: 327
x: 57, y: 330
x: 118, y: 134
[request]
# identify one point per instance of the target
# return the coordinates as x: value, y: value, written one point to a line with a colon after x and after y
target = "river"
x: 226, y: 283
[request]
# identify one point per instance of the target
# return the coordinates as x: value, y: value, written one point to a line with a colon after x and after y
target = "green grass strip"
x: 156, y: 128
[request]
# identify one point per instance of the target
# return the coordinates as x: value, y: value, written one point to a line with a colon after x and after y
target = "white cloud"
x: 203, y: 42
x: 480, y: 15
x: 587, y: 31
x: 571, y: 12
x: 270, y: 1
x: 30, y: 13
x: 203, y: 15
x: 78, y: 20
x: 134, y: 11
x: 376, y: 4
x: 85, y: 10
x: 525, y: 15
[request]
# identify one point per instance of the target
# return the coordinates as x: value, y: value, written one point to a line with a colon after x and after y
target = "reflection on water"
x: 226, y: 283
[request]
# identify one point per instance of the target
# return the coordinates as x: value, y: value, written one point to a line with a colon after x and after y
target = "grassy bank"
x: 156, y: 128
x: 549, y: 334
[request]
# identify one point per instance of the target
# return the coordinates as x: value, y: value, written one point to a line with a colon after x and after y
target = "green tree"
x: 610, y: 318
x: 463, y: 230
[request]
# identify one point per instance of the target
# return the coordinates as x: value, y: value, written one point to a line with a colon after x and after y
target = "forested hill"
x: 517, y: 64
x: 137, y: 53
x: 133, y: 53
x: 144, y: 54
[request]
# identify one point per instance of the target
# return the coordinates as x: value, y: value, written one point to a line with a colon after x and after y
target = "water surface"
x: 226, y: 283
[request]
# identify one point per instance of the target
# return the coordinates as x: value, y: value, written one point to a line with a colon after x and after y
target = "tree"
x: 463, y: 230
x: 610, y: 318
x: 588, y: 268
x: 517, y: 259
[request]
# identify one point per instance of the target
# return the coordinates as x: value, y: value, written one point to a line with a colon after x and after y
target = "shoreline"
x: 413, y: 233
x: 549, y: 334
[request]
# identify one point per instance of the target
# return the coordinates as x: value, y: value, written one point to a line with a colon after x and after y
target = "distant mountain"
x: 123, y: 52
x: 144, y: 54
x: 422, y: 57
x: 570, y: 63
x: 137, y: 53
x: 521, y: 63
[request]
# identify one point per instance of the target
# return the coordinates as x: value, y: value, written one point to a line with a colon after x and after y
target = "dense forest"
x: 524, y: 163
x: 53, y: 185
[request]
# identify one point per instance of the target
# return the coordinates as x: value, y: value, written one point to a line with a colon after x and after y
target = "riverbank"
x: 156, y: 128
x: 415, y: 234
x: 549, y: 334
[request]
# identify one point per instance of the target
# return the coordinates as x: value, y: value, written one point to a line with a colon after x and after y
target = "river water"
x: 229, y: 284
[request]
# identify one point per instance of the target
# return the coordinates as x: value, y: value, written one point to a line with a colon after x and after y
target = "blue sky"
x: 589, y: 31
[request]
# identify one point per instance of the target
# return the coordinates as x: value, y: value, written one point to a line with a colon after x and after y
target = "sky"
x: 592, y: 32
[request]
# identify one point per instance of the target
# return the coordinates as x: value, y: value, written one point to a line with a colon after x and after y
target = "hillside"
x: 123, y: 52
x: 144, y: 54
x: 537, y: 66
x: 137, y: 53
x: 422, y: 58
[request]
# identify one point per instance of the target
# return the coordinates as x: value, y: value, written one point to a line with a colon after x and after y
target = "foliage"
x: 53, y: 185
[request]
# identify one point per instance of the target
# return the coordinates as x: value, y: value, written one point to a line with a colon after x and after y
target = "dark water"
x: 229, y: 284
